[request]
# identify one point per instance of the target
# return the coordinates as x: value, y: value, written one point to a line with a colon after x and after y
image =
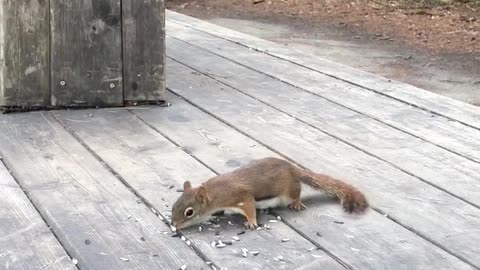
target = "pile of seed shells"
x: 222, y: 242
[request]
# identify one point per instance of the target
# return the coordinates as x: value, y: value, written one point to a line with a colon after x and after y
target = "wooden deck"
x: 93, y: 189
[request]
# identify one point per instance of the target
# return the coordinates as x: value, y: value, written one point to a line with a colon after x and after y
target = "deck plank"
x: 25, y: 240
x: 99, y: 221
x: 425, y: 160
x: 451, y: 135
x: 406, y: 93
x: 364, y: 243
x: 155, y: 168
x: 432, y: 213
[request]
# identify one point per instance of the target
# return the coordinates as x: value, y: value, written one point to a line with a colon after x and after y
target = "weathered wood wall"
x: 144, y: 50
x: 86, y: 53
x: 71, y: 53
x: 24, y: 46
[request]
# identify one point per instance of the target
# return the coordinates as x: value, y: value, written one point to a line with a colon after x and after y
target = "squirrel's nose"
x: 175, y: 225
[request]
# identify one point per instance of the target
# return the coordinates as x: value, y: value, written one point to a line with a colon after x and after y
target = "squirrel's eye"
x: 189, y: 212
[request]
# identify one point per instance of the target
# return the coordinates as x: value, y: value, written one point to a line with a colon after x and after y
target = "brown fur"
x: 258, y: 180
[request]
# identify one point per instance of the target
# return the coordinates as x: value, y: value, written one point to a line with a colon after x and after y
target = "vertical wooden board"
x: 24, y: 47
x: 432, y: 213
x: 144, y: 50
x: 367, y: 242
x: 454, y: 109
x: 425, y: 160
x: 155, y: 168
x: 25, y: 241
x: 86, y: 53
x: 452, y: 135
x: 98, y: 220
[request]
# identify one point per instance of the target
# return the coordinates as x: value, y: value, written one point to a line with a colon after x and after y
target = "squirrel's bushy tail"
x: 351, y: 199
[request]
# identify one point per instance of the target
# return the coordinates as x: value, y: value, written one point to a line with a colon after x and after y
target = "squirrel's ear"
x: 202, y: 195
x: 187, y: 186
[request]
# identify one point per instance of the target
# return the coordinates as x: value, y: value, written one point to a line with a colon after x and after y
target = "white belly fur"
x: 263, y: 204
x: 273, y: 203
x: 232, y: 211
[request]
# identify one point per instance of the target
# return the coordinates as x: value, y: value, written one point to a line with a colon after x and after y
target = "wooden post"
x: 71, y: 53
x: 24, y: 45
x: 144, y: 50
x: 86, y: 53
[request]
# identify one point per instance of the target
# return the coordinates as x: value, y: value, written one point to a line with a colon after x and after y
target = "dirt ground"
x: 435, y: 47
x: 452, y: 28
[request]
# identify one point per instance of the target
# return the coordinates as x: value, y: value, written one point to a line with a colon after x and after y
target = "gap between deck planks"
x: 137, y: 152
x: 25, y: 240
x: 420, y: 158
x: 410, y: 202
x: 98, y: 220
x: 450, y: 135
x: 156, y: 167
x: 441, y: 105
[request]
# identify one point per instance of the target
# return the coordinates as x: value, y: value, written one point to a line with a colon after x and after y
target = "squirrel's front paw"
x: 251, y: 226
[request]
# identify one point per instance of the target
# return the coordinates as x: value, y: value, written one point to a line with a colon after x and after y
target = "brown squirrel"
x: 263, y: 183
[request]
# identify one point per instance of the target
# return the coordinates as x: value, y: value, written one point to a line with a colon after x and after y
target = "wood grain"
x: 98, y: 220
x: 144, y: 50
x: 362, y: 242
x: 408, y: 94
x: 437, y: 216
x: 25, y: 240
x: 24, y: 47
x: 155, y: 168
x: 86, y: 53
x: 451, y: 135
x: 418, y: 157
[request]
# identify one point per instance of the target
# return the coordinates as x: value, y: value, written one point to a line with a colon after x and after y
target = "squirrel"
x: 261, y: 184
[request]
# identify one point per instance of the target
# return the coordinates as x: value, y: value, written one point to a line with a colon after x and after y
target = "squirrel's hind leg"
x: 294, y: 194
x: 297, y: 205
